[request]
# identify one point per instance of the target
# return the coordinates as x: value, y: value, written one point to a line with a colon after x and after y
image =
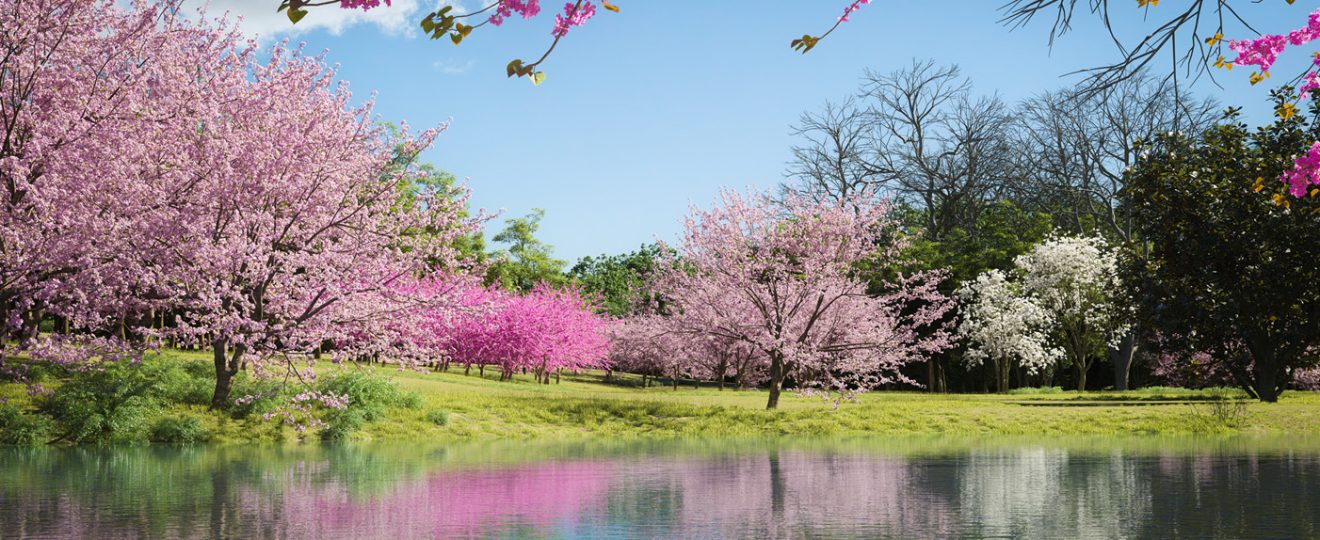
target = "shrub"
x: 1034, y: 390
x: 20, y: 428
x: 369, y: 396
x: 439, y: 417
x: 341, y: 424
x: 180, y: 429
x: 186, y: 381
x: 252, y: 396
x: 111, y: 403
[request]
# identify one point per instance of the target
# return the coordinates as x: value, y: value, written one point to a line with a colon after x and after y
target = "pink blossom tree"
x: 91, y: 123
x: 781, y: 276
x: 266, y: 248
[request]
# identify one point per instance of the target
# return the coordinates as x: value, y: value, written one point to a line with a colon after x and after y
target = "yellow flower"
x: 1144, y: 3
x: 1281, y: 200
x: 1220, y: 63
x: 1258, y: 185
x: 1255, y: 78
x: 1212, y: 40
x: 1285, y: 111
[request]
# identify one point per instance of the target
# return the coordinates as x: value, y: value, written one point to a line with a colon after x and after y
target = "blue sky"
x: 662, y: 104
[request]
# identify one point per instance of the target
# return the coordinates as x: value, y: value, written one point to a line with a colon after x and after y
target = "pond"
x: 989, y: 487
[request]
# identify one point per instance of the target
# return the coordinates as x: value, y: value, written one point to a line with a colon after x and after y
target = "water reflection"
x: 974, y: 488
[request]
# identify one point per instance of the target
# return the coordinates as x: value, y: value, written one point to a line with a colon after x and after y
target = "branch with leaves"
x: 446, y: 23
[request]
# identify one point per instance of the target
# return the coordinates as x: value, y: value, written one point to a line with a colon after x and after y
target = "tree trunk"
x: 776, y: 379
x: 225, y: 369
x: 675, y: 381
x: 1121, y: 357
x: 1081, y: 374
x: 1265, y: 373
x: 931, y: 382
x: 1002, y: 368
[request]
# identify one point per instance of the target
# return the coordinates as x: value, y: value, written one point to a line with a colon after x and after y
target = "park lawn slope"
x: 452, y: 406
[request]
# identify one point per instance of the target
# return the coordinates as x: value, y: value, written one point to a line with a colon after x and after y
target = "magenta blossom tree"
x: 546, y: 330
x: 781, y: 276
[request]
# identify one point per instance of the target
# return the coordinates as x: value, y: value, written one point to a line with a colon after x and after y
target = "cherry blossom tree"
x: 91, y: 125
x: 267, y: 249
x: 1005, y: 327
x: 1075, y: 280
x: 780, y: 276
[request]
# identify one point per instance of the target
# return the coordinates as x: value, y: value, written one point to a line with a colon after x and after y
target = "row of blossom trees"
x: 162, y: 164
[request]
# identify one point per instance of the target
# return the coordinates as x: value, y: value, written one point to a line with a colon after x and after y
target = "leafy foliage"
x: 620, y: 281
x: 369, y: 397
x: 179, y: 429
x: 18, y: 427
x: 1232, y: 263
x: 527, y: 261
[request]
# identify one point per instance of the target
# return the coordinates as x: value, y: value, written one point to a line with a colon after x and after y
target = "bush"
x: 182, y: 429
x: 439, y: 417
x: 20, y: 428
x: 251, y: 396
x: 1026, y: 390
x: 186, y: 381
x: 341, y: 424
x: 369, y: 396
x: 111, y: 403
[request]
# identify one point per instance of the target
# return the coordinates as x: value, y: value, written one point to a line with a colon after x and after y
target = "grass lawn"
x: 586, y: 406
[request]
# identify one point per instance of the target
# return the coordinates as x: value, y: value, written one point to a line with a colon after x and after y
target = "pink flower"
x: 572, y: 17
x: 526, y: 8
x: 364, y: 5
x: 1305, y: 171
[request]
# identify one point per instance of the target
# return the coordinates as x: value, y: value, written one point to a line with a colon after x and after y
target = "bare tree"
x: 939, y: 148
x: 1188, y: 36
x: 1079, y: 147
x: 831, y: 164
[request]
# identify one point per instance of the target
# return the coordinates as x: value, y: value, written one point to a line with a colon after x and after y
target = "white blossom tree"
x: 1004, y: 326
x: 1076, y: 281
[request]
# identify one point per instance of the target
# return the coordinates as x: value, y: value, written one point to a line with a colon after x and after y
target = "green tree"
x: 1233, y: 259
x: 427, y: 180
x: 526, y: 261
x: 619, y: 280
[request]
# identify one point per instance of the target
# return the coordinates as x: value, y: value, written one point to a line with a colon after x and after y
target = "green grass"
x: 587, y: 407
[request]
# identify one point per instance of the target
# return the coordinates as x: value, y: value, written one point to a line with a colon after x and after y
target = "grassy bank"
x: 406, y: 405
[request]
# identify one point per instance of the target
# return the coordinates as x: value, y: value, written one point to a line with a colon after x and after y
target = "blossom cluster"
x: 505, y: 8
x: 1305, y: 172
x: 574, y: 15
x: 856, y: 5
x: 1264, y: 50
x: 361, y: 4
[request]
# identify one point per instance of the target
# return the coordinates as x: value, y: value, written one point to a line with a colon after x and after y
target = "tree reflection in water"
x: 646, y: 490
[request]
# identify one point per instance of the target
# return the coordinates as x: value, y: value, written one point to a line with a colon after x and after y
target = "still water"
x: 900, y: 488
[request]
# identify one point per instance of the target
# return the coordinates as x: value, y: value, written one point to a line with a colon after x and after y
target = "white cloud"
x: 260, y: 18
x: 453, y: 67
